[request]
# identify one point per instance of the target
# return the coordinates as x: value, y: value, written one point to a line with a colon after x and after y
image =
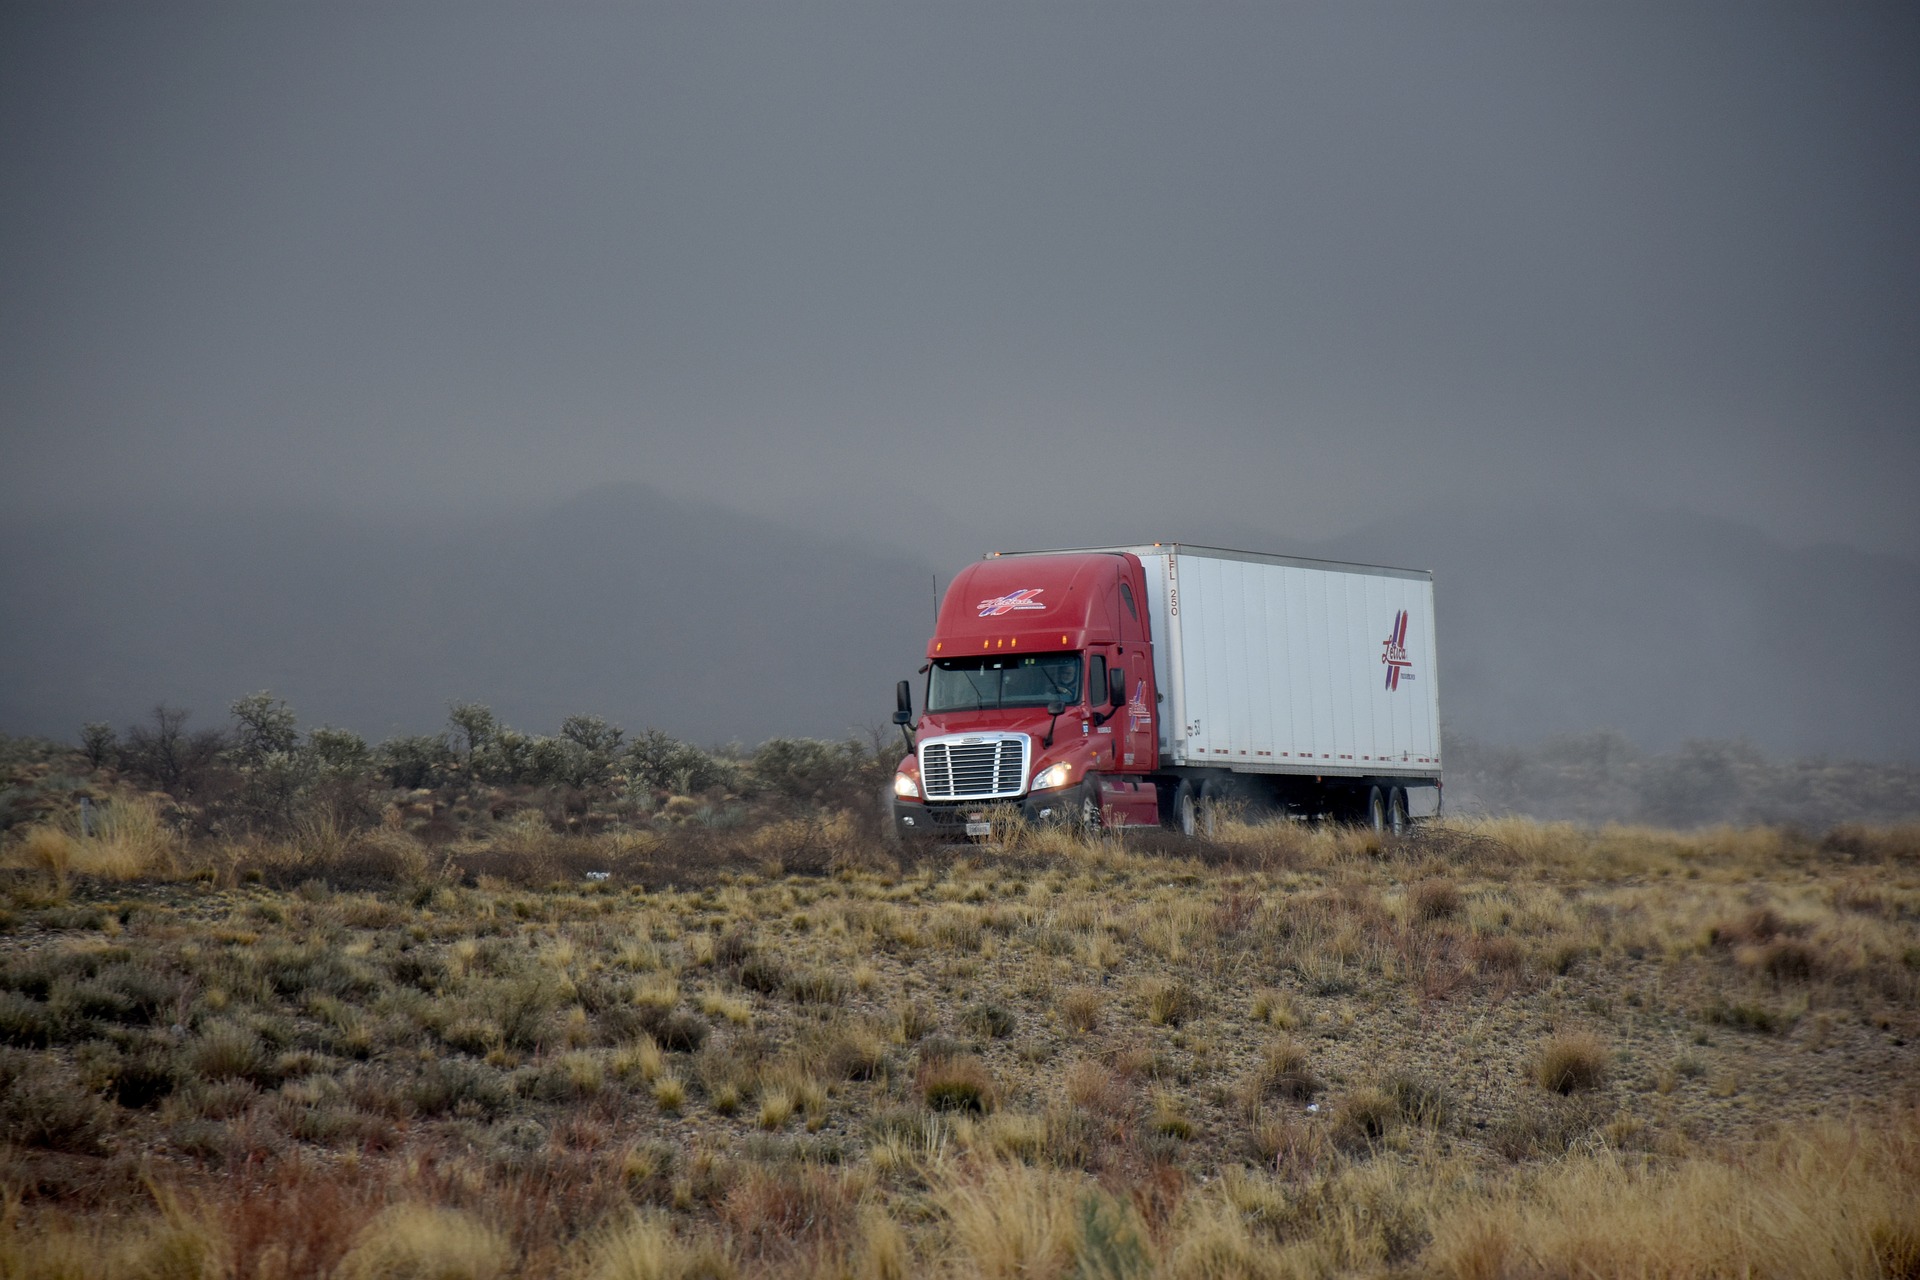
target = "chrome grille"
x: 974, y: 768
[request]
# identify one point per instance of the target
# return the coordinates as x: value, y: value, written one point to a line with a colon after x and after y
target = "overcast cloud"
x: 901, y: 268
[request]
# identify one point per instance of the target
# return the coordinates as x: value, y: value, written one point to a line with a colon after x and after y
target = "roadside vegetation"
x: 685, y: 1025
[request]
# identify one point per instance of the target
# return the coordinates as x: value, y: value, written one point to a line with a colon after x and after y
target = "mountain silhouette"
x: 625, y: 602
x: 661, y: 611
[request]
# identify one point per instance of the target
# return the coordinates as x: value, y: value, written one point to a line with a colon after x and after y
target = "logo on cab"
x: 1139, y: 715
x: 1013, y: 602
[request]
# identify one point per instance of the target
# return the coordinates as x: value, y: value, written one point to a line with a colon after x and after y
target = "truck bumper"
x: 946, y: 820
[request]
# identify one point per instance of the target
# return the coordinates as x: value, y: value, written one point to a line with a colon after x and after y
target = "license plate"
x: 979, y: 828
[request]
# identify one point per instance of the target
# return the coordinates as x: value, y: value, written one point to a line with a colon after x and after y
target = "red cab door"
x: 1133, y: 723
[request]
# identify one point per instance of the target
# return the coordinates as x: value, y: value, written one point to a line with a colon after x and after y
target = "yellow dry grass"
x: 1495, y: 1050
x: 1826, y: 1203
x: 425, y: 1242
x: 125, y: 840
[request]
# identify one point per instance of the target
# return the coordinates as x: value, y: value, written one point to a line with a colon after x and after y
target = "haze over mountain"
x: 624, y: 602
x: 660, y: 611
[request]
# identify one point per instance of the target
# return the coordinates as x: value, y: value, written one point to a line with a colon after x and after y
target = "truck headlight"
x: 1054, y: 775
x: 904, y: 786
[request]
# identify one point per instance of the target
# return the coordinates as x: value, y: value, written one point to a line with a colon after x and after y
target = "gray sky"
x: 901, y: 269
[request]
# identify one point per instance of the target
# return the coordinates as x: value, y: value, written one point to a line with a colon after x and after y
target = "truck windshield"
x: 989, y: 683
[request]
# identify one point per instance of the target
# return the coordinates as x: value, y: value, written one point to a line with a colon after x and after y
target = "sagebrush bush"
x: 808, y: 769
x: 41, y: 1106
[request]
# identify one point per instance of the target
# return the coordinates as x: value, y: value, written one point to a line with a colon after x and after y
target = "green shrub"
x: 227, y: 1051
x: 414, y: 760
x: 809, y: 769
x: 25, y: 1021
x: 459, y: 1085
x: 657, y: 762
x: 42, y: 1105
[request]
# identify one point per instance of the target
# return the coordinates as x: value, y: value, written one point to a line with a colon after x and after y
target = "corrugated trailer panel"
x: 1277, y: 665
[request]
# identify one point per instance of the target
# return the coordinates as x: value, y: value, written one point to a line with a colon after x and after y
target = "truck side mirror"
x: 1056, y: 705
x: 903, y: 703
x: 1116, y: 687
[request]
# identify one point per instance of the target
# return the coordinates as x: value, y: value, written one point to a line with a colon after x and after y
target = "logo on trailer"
x: 1013, y: 602
x: 1395, y: 652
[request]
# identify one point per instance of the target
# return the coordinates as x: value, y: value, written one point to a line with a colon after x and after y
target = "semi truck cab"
x: 1039, y: 694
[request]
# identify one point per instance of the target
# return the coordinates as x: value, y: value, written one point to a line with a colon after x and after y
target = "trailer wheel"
x: 1213, y: 793
x: 1185, y: 817
x: 1397, y: 820
x: 1376, y: 819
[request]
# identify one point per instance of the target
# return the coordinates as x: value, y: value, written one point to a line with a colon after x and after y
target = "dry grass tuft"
x: 1782, y: 960
x: 1080, y: 1009
x: 772, y: 1208
x: 1812, y: 1205
x: 1362, y: 1117
x: 420, y: 1242
x: 1010, y: 1222
x: 644, y: 1247
x: 1096, y: 1087
x: 1283, y: 1073
x: 1280, y: 1009
x: 960, y: 1082
x: 1436, y: 899
x: 1170, y: 1002
x: 1571, y: 1062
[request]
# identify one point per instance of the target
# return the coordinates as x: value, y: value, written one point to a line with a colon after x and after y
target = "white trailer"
x: 1310, y: 683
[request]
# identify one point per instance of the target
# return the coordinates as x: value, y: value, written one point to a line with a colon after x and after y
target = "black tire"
x: 1397, y: 820
x: 1087, y: 819
x: 1184, y: 815
x: 1213, y: 793
x: 1374, y: 816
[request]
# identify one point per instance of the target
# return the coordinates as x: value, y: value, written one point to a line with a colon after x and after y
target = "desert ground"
x: 1489, y: 1048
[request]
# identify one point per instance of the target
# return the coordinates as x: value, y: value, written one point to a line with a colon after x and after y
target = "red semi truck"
x: 1142, y: 685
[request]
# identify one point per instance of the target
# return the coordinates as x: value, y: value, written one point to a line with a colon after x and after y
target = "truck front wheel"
x: 1088, y: 820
